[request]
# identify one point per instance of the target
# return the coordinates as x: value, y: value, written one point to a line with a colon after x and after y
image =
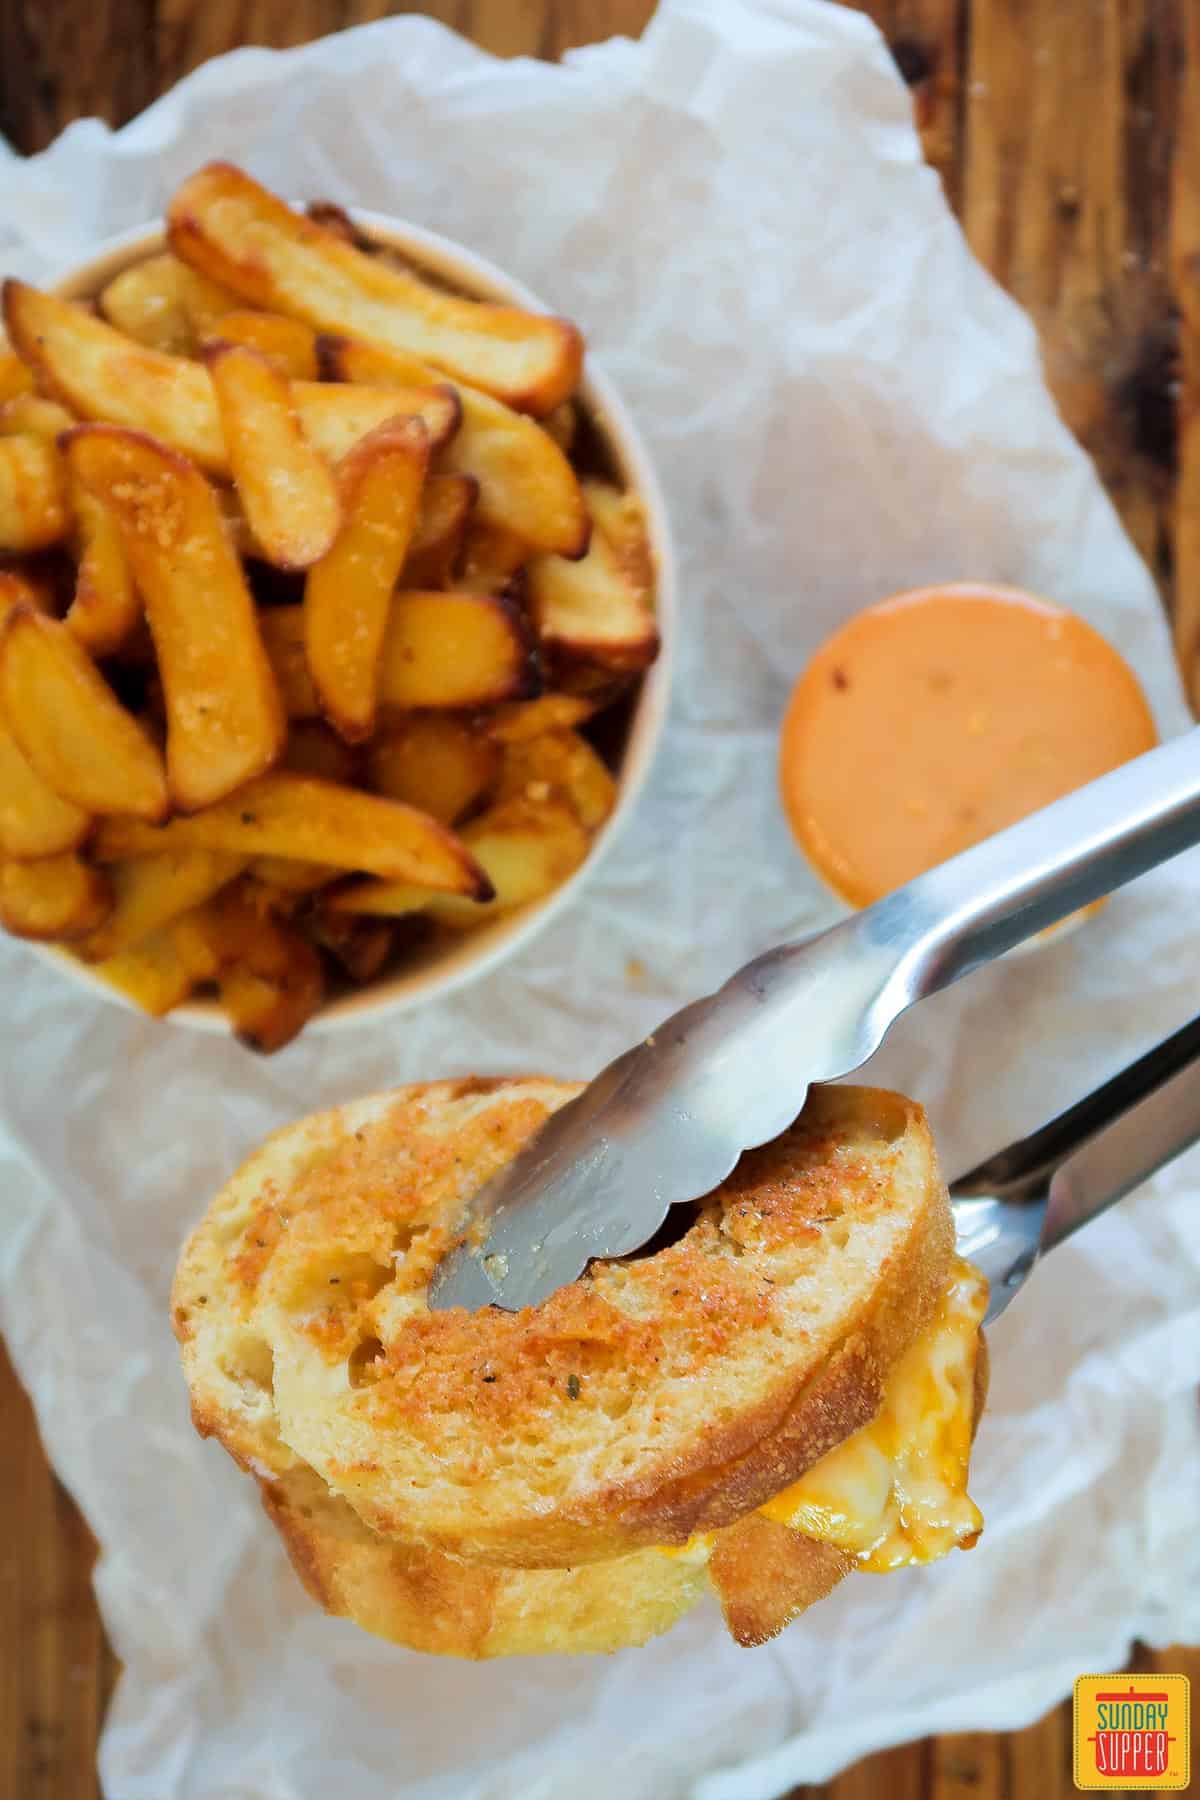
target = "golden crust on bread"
x: 411, y: 1596
x: 338, y: 1221
x: 766, y: 1575
x: 706, y: 1377
x: 226, y: 1357
x: 657, y: 1396
x: 446, y: 1607
x: 226, y: 1360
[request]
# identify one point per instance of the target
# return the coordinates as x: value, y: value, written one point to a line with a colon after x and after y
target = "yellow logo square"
x: 1132, y: 1731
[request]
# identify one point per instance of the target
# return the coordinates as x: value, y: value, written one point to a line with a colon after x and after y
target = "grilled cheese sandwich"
x: 783, y: 1396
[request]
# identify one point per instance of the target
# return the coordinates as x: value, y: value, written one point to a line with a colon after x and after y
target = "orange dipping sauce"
x: 940, y: 716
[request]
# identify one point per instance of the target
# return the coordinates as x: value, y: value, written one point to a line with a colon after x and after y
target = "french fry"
x: 33, y: 502
x: 441, y: 650
x: 15, y: 377
x: 561, y: 766
x: 285, y: 875
x: 562, y: 424
x: 526, y: 849
x: 599, y: 607
x: 348, y: 594
x: 525, y: 482
x: 312, y: 748
x: 269, y: 976
x: 286, y: 488
x: 361, y: 946
x: 620, y: 515
x: 231, y: 229
x: 279, y: 903
x: 164, y: 304
x: 161, y: 971
x: 447, y: 502
x: 28, y: 415
x: 491, y: 556
x: 225, y: 718
x: 153, y: 974
x: 54, y: 897
x: 335, y: 218
x: 270, y: 998
x: 150, y: 891
x: 198, y: 942
x: 106, y: 606
x: 322, y: 720
x: 233, y: 519
x: 525, y: 719
x: 601, y: 687
x: 337, y: 416
x: 282, y: 629
x: 34, y: 821
x: 143, y: 302
x: 69, y: 725
x: 100, y: 374
x: 433, y: 762
x: 288, y: 344
x: 456, y: 650
x: 299, y: 817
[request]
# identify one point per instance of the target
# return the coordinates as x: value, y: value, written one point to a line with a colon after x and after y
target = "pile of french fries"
x: 311, y: 573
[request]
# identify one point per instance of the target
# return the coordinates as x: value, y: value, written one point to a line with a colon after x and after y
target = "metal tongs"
x: 667, y: 1121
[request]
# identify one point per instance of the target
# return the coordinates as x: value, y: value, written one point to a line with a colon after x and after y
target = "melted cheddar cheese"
x: 895, y: 1492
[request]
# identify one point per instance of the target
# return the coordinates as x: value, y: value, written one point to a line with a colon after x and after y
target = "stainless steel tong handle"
x: 1011, y: 886
x: 1013, y: 1208
x: 667, y: 1121
x: 999, y: 893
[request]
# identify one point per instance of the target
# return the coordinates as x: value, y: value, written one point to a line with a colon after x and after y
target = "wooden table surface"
x: 1067, y: 133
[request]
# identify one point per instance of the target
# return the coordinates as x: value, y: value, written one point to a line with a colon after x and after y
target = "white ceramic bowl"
x: 448, y: 964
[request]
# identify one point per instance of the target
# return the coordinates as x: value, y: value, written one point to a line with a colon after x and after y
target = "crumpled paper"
x: 841, y: 404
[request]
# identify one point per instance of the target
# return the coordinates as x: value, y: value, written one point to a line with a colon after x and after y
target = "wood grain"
x: 1039, y: 1759
x: 56, y: 1671
x: 928, y: 39
x: 68, y: 59
x: 1067, y: 134
x: 969, y: 1765
x: 904, y: 1773
x: 1184, y: 246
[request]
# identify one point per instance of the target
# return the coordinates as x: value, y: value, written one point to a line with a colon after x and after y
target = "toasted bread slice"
x: 442, y: 1605
x: 226, y: 1359
x: 412, y: 1596
x: 657, y: 1397
x: 441, y: 1140
x: 766, y: 1575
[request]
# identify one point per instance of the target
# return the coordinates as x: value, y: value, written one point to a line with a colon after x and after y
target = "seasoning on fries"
x: 225, y: 719
x: 348, y: 594
x: 314, y: 579
x: 224, y: 224
x: 70, y: 726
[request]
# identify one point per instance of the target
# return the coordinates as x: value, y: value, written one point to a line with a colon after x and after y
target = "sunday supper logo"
x: 1132, y: 1737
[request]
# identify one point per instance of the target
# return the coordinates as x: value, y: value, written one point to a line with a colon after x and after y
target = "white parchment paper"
x: 842, y: 404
